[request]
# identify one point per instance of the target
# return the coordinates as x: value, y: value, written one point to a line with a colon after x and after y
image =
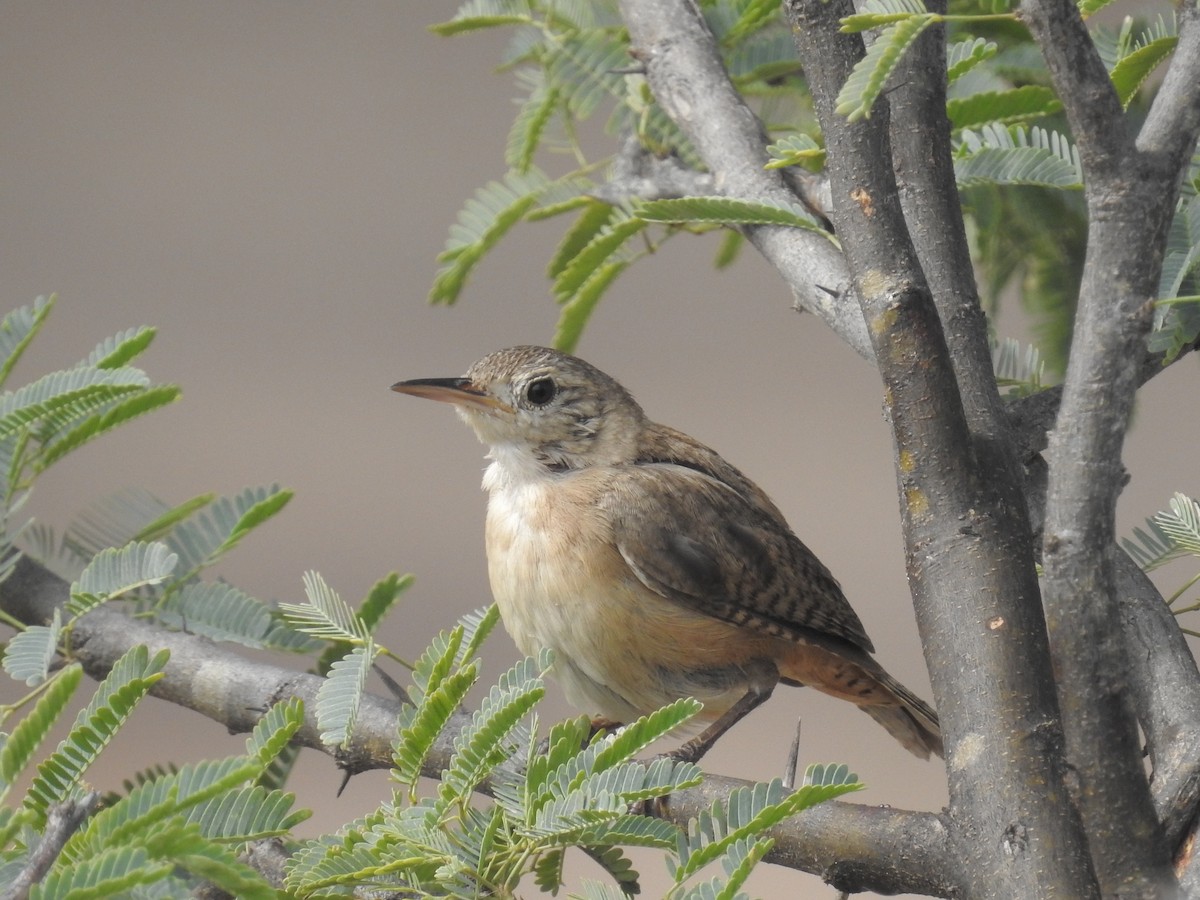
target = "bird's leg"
x: 763, y: 679
x: 756, y: 694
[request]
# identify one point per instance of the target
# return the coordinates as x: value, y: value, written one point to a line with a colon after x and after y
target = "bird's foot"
x: 660, y: 807
x: 600, y: 724
x: 654, y: 807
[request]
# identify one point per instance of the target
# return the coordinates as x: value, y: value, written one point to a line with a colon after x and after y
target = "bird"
x: 651, y: 567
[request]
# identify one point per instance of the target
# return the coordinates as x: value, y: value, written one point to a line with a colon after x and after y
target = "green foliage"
x: 487, y: 740
x: 1177, y: 322
x: 1015, y: 247
x: 441, y: 680
x: 371, y: 612
x: 571, y: 62
x: 18, y: 329
x: 1133, y: 53
x: 43, y: 421
x: 1090, y: 7
x: 325, y: 614
x: 273, y: 731
x: 108, y: 874
x: 750, y: 811
x: 111, y: 521
x: 576, y: 792
x: 1008, y: 107
x: 1018, y: 368
x: 872, y: 72
x: 104, y: 420
x: 21, y: 745
x: 120, y: 570
x: 582, y: 281
x: 59, y: 775
x: 881, y: 13
x: 215, y: 796
x: 165, y: 840
x: 174, y: 824
x: 204, y: 537
x: 796, y: 150
x: 184, y: 819
x: 726, y: 211
x: 731, y: 832
x: 495, y: 209
x: 1170, y: 534
x: 768, y: 56
x: 486, y: 14
x: 341, y: 692
x: 606, y: 243
x: 1017, y: 155
x: 31, y: 652
x: 548, y: 798
x: 963, y: 56
x: 1132, y: 71
x: 222, y: 612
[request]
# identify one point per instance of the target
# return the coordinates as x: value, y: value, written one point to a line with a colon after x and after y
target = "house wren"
x: 650, y: 566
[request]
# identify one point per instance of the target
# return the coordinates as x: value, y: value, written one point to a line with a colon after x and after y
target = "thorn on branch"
x: 789, y: 768
x: 394, y: 687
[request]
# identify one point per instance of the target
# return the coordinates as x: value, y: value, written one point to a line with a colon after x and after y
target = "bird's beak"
x: 459, y: 391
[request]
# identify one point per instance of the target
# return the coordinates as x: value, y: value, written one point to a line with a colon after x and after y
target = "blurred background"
x: 269, y: 184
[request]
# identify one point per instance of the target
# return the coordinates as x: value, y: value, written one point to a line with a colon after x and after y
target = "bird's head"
x: 547, y: 406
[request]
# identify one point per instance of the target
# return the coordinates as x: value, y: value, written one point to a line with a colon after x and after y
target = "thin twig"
x: 62, y: 821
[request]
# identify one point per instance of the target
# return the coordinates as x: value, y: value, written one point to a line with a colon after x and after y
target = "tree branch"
x: 62, y: 821
x: 970, y: 563
x: 1166, y: 688
x: 860, y: 848
x: 909, y: 851
x: 1089, y: 99
x: 688, y: 79
x: 1174, y: 118
x: 921, y: 157
x: 1163, y: 673
x: 638, y: 173
x: 1131, y: 198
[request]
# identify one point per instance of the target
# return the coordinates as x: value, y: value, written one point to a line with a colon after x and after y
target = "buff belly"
x: 620, y: 649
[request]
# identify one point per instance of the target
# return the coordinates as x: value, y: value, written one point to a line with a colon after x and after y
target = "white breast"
x: 550, y: 562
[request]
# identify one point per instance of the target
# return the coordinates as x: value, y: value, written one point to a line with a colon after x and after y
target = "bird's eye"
x: 541, y: 391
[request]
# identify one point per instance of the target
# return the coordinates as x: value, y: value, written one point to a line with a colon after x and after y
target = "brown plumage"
x: 652, y: 567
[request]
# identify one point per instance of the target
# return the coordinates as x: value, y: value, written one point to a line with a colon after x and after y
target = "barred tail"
x: 911, y: 720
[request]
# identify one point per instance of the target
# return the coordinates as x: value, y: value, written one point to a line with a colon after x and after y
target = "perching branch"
x: 856, y: 847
